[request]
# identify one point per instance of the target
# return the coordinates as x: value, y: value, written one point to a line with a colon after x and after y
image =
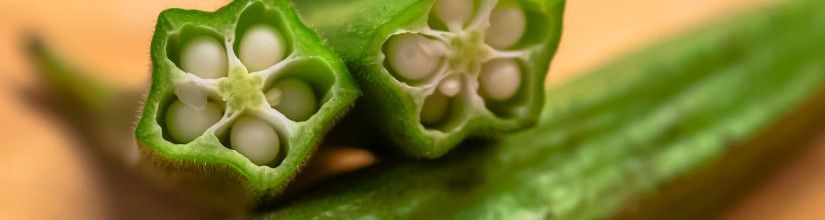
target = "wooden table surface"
x: 43, y: 177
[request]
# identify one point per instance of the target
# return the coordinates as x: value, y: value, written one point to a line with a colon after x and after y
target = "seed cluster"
x: 465, y: 57
x: 243, y: 92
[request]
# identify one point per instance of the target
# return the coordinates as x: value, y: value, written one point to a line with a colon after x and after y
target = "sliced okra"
x: 241, y: 96
x: 437, y: 71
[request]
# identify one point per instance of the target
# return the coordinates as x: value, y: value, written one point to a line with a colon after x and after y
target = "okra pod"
x: 675, y: 131
x: 436, y: 72
x: 240, y: 99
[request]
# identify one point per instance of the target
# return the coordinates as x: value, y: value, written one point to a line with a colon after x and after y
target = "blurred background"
x: 44, y: 176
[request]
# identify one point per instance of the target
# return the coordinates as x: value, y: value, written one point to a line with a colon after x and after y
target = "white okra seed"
x: 413, y: 56
x: 434, y: 109
x: 255, y: 139
x: 191, y: 95
x: 454, y: 13
x: 507, y: 26
x: 500, y: 79
x: 294, y: 98
x: 261, y: 47
x: 451, y: 85
x: 185, y: 123
x: 205, y: 57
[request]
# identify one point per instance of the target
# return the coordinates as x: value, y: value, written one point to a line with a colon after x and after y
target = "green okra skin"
x: 428, y: 84
x: 229, y: 116
x: 674, y: 131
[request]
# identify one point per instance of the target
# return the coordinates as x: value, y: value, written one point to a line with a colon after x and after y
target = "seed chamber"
x: 262, y: 89
x: 484, y: 43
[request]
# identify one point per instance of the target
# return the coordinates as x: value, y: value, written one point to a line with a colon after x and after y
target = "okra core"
x: 251, y: 94
x: 469, y: 53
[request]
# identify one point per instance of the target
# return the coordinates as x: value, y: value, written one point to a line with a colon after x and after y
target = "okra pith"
x: 241, y: 96
x: 435, y: 72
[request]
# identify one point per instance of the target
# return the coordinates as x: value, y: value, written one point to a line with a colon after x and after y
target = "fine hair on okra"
x: 436, y: 72
x: 240, y: 98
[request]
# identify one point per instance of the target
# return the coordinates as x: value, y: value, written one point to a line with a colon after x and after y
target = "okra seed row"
x: 255, y: 139
x: 205, y: 57
x: 261, y: 47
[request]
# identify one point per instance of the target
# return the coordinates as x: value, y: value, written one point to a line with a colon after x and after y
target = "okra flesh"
x: 628, y: 131
x: 437, y: 72
x: 248, y: 90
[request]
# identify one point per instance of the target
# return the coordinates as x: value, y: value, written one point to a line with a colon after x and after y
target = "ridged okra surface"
x: 240, y: 98
x: 436, y: 72
x: 672, y: 132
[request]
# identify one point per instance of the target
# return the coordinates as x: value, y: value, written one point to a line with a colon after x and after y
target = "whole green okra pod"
x: 240, y: 99
x: 436, y: 72
x: 675, y: 131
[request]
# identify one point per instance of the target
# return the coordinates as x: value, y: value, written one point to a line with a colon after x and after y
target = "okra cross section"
x: 241, y: 96
x: 437, y: 72
x: 462, y: 63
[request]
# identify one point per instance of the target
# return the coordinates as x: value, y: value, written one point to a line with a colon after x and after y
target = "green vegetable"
x: 240, y: 99
x: 436, y: 72
x: 675, y: 131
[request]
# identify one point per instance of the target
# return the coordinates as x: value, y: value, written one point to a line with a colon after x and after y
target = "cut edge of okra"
x: 470, y: 59
x: 242, y: 84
